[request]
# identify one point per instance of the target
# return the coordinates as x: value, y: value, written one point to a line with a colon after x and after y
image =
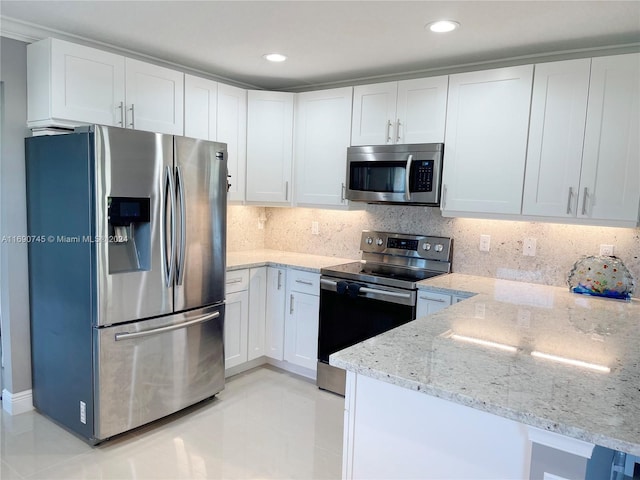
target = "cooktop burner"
x: 396, y: 260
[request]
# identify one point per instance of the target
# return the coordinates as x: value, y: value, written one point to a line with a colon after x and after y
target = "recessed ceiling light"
x: 275, y: 57
x: 443, y: 26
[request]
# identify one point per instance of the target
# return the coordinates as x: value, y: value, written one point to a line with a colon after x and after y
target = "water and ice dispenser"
x: 129, y: 234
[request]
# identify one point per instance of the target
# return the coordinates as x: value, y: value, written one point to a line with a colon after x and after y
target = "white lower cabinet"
x: 236, y: 322
x: 244, y: 326
x: 429, y: 302
x: 301, y: 321
x: 275, y: 312
x: 257, y: 311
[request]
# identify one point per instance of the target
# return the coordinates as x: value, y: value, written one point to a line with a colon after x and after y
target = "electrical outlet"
x: 606, y: 250
x: 529, y: 247
x: 315, y: 228
x: 485, y: 243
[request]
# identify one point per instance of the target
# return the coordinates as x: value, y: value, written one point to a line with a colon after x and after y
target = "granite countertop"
x: 433, y: 355
x: 278, y: 258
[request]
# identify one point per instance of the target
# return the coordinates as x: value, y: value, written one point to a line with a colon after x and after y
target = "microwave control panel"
x: 422, y: 176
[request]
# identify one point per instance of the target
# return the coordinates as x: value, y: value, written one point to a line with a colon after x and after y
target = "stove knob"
x: 379, y: 242
x: 426, y: 246
x: 439, y: 247
x: 369, y: 240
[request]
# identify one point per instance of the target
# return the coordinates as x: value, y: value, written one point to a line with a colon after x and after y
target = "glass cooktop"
x: 395, y: 276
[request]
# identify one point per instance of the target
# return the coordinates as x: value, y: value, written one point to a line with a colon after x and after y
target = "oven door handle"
x: 332, y: 283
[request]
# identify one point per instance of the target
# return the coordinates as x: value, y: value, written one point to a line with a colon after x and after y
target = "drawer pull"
x: 304, y: 282
x: 439, y: 300
x: 234, y: 280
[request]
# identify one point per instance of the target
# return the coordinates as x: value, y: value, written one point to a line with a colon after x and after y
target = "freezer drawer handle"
x: 169, y: 328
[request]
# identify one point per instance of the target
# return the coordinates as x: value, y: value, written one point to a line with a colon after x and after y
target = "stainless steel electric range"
x: 362, y: 299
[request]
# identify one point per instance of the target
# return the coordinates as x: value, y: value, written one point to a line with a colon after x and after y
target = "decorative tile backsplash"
x: 558, y: 246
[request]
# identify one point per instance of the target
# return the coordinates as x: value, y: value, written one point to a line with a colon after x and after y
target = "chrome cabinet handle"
x: 133, y: 119
x: 235, y: 280
x: 279, y: 279
x: 291, y: 304
x: 439, y: 300
x: 569, y: 200
x: 169, y: 328
x: 342, y: 193
x: 168, y: 191
x: 304, y: 282
x: 389, y: 131
x: 183, y: 228
x: 122, y: 114
x: 286, y: 190
x: 444, y: 196
x: 398, y: 131
x: 407, y: 178
x: 584, y: 201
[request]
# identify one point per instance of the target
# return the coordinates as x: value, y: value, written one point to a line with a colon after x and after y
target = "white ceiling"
x: 331, y: 41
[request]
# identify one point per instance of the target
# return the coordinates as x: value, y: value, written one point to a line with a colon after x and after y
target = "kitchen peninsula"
x: 496, y: 386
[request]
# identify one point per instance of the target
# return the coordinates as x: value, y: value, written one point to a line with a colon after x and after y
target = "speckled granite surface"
x: 278, y: 258
x: 602, y: 408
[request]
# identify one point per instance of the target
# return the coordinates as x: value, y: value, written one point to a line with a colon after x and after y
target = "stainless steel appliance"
x: 395, y: 173
x: 362, y: 299
x: 126, y: 269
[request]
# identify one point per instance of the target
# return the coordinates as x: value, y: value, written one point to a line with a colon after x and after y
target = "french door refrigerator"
x: 127, y: 234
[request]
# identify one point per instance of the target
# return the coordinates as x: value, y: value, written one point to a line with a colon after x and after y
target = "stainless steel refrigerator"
x: 127, y: 234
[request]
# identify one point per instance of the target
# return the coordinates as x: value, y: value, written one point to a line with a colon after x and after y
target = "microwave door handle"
x: 407, y: 178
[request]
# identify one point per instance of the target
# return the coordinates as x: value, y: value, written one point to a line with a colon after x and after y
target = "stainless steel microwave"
x: 410, y: 174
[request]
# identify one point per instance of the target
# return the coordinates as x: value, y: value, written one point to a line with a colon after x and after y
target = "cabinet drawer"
x: 237, y: 281
x: 304, y: 282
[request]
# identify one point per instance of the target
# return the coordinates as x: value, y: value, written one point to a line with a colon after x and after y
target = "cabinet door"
x: 257, y: 312
x: 486, y: 140
x: 200, y: 107
x: 556, y: 135
x: 155, y: 98
x: 323, y: 126
x: 429, y: 302
x: 236, y: 328
x: 421, y: 110
x: 276, y: 300
x: 232, y: 130
x: 374, y: 111
x: 301, y: 330
x: 87, y: 85
x: 269, y: 146
x: 610, y: 181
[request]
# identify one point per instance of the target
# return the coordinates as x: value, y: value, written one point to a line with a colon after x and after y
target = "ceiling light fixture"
x: 443, y: 26
x: 274, y: 57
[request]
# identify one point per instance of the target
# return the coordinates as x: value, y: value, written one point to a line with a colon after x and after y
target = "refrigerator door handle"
x: 169, y: 261
x: 183, y: 228
x: 168, y: 328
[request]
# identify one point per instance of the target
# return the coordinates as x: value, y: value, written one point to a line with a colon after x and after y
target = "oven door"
x: 347, y: 317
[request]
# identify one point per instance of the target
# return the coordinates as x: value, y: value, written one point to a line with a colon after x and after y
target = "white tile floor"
x: 265, y: 424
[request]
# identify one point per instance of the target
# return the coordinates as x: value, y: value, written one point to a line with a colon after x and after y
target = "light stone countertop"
x: 602, y: 408
x: 278, y: 258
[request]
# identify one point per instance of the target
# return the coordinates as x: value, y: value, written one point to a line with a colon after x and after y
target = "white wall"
x: 14, y: 285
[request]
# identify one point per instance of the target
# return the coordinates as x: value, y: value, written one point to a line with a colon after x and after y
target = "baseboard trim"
x: 17, y: 403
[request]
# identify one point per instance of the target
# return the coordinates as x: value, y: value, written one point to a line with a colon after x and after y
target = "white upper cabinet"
x: 610, y: 181
x: 322, y: 133
x: 409, y: 111
x: 486, y: 140
x: 155, y: 98
x: 556, y: 135
x: 269, y: 147
x: 200, y: 107
x: 218, y: 112
x: 232, y: 130
x: 70, y: 84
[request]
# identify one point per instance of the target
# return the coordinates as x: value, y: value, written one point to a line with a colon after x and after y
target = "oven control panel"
x: 403, y: 245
